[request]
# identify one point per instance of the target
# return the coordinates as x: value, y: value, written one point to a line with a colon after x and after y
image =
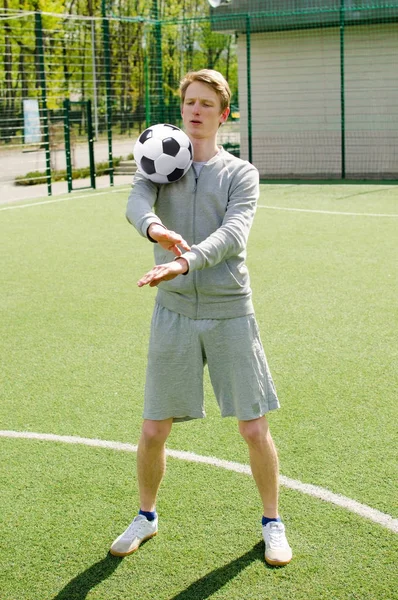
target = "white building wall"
x: 296, y: 116
x: 371, y: 105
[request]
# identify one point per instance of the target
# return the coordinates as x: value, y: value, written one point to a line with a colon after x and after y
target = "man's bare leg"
x: 151, y: 465
x: 265, y: 469
x: 151, y: 460
x: 263, y: 461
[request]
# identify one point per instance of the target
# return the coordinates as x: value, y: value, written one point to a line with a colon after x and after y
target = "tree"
x: 74, y: 47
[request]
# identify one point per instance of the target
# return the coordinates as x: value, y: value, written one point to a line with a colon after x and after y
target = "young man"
x: 203, y: 311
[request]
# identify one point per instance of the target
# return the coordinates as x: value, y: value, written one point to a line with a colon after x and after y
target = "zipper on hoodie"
x: 194, y: 238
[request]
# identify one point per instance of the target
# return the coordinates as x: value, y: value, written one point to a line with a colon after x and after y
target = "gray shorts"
x: 180, y: 347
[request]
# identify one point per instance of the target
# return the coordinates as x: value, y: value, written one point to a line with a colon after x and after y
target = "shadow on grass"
x: 79, y: 587
x: 208, y: 585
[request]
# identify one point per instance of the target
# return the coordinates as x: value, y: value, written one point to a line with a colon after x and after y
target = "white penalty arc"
x: 315, y: 491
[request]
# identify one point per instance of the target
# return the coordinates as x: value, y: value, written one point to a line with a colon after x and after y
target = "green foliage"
x: 37, y: 177
x: 147, y: 59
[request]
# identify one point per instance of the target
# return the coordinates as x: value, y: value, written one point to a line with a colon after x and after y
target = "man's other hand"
x: 164, y: 272
x: 169, y: 240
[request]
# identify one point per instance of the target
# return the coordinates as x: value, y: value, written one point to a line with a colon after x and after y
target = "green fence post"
x: 42, y: 80
x: 91, y: 144
x: 342, y: 88
x: 107, y: 56
x: 158, y: 88
x: 249, y: 85
x: 67, y: 144
x: 146, y: 82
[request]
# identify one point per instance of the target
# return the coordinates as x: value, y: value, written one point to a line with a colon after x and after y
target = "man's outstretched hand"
x: 164, y: 272
x: 169, y: 240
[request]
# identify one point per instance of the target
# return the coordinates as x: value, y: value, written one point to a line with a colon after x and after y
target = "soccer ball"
x: 163, y: 153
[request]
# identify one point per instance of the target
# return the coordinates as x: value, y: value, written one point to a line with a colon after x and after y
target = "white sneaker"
x: 277, y: 549
x: 137, y: 532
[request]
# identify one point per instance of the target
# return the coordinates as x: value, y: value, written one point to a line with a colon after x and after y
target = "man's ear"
x: 225, y: 114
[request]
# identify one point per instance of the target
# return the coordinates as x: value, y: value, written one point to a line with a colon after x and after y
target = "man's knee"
x: 254, y: 432
x: 155, y: 432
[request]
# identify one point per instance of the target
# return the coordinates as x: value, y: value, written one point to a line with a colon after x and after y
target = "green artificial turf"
x: 73, y: 340
x: 65, y: 504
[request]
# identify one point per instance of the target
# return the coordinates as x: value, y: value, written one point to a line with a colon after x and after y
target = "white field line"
x: 56, y: 200
x: 327, y: 212
x: 124, y: 187
x: 315, y: 491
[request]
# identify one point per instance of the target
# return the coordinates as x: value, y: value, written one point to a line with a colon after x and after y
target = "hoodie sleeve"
x: 230, y: 239
x: 140, y: 204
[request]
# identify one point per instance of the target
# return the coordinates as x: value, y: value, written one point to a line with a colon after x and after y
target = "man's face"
x: 201, y: 111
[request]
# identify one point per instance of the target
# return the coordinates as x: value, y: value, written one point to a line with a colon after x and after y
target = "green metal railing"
x: 249, y: 89
x: 108, y: 79
x: 86, y: 106
x: 342, y: 89
x: 43, y: 88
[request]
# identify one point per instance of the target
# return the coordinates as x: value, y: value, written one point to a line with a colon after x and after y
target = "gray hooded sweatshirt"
x: 214, y: 214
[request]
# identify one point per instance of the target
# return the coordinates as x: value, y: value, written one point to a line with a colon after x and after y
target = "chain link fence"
x: 314, y: 84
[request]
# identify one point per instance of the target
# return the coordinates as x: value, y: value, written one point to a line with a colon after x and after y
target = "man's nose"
x: 196, y: 107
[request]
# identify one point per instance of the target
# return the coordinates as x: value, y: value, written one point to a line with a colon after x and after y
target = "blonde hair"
x: 214, y: 79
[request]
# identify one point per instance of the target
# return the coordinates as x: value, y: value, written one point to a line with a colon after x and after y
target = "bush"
x: 36, y: 177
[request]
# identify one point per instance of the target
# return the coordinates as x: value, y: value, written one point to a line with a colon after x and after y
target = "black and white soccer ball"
x: 163, y: 153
